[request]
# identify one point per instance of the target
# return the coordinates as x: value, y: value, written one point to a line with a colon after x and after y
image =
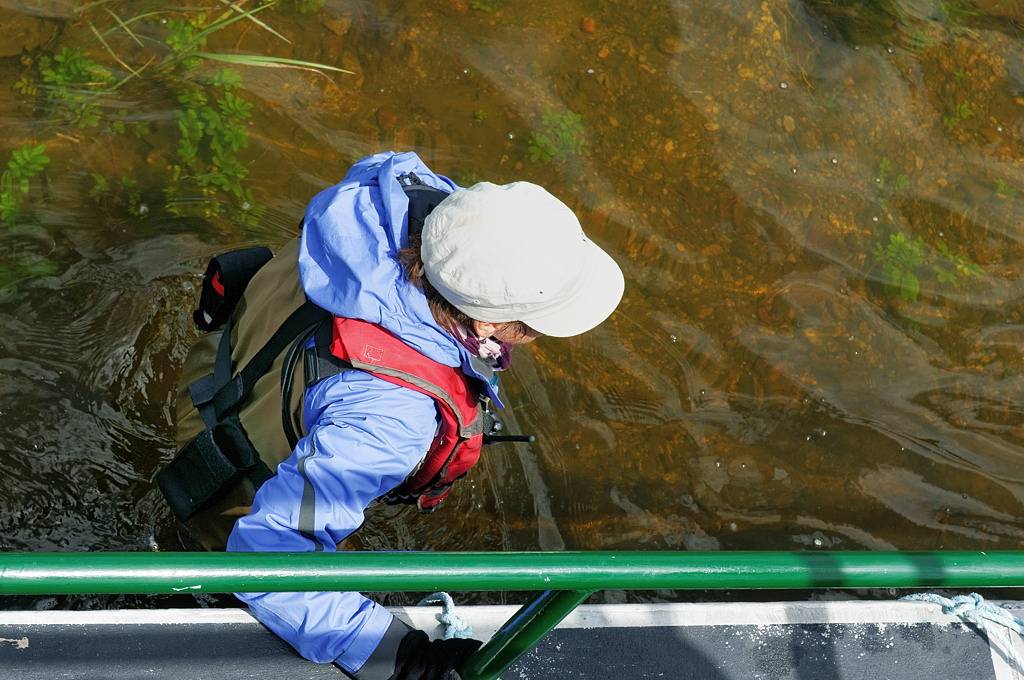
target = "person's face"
x: 504, y: 332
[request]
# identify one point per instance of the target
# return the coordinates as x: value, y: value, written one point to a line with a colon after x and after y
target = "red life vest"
x: 456, y: 446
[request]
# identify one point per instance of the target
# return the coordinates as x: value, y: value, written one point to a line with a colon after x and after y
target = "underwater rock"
x: 338, y: 25
x: 28, y: 32
x: 670, y: 45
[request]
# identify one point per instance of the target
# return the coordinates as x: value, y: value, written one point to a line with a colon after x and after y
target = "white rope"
x: 454, y: 625
x: 972, y: 608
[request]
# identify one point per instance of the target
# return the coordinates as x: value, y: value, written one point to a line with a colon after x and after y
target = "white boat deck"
x: 721, y: 641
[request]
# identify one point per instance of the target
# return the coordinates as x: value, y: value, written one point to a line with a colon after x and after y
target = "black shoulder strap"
x: 319, y: 351
x: 318, y: 361
x: 231, y: 395
x: 422, y: 200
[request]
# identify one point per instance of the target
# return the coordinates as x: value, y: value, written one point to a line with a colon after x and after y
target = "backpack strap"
x: 314, y: 350
x: 422, y: 200
x: 215, y: 460
x: 230, y: 395
x: 319, y: 363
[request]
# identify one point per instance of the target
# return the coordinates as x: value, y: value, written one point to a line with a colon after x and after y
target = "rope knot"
x: 454, y: 625
x: 972, y: 608
x: 963, y: 604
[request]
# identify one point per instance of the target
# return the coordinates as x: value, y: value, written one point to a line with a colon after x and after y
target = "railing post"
x: 521, y: 632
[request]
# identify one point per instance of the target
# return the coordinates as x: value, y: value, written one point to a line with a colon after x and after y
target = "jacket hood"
x: 348, y: 257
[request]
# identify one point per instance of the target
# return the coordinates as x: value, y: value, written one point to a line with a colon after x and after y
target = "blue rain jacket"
x: 364, y: 435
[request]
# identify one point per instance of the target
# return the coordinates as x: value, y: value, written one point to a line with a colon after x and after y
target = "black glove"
x: 420, y: 658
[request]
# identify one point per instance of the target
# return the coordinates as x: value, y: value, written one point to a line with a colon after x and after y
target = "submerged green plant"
x: 561, y: 135
x: 900, y: 259
x: 184, y: 38
x: 951, y: 268
x: 212, y: 131
x: 956, y: 11
x: 25, y: 163
x: 885, y: 177
x: 71, y: 83
x: 1004, y: 189
x: 904, y: 261
x: 124, y: 192
x: 212, y: 113
x: 100, y: 187
x: 959, y: 114
x: 17, y: 266
x: 919, y: 41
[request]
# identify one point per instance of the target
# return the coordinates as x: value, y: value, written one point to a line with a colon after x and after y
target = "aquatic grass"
x: 237, y: 8
x: 956, y: 11
x: 265, y: 61
x: 25, y: 163
x: 110, y: 50
x: 191, y: 34
x: 919, y: 41
x: 186, y: 37
x: 124, y: 26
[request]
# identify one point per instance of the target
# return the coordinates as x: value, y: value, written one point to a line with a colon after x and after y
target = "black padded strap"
x: 318, y: 361
x: 422, y: 200
x: 232, y: 394
x: 296, y: 353
x: 208, y: 465
x: 203, y: 391
x: 232, y: 272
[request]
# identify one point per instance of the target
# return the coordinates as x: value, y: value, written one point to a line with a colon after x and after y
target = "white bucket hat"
x: 514, y: 252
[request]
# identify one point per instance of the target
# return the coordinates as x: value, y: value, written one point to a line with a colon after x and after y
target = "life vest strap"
x: 203, y: 391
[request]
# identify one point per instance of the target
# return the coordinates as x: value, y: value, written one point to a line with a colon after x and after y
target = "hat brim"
x: 599, y: 294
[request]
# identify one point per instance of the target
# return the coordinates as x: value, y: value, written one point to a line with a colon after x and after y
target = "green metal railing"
x: 566, y: 579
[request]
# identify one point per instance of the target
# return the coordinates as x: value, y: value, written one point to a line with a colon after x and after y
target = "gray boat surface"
x: 855, y: 640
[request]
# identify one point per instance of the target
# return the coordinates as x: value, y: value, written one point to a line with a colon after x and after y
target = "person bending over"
x: 358, y: 366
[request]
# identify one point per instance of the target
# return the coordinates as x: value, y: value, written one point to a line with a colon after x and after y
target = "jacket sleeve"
x: 364, y: 437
